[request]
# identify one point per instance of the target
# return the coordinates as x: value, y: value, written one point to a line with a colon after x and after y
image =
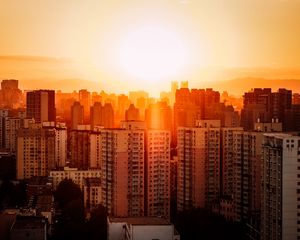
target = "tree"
x: 67, y: 191
x: 71, y: 223
x: 97, y: 225
x: 202, y: 224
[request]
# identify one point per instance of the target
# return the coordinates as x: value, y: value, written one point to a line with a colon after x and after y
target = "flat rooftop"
x: 141, y: 220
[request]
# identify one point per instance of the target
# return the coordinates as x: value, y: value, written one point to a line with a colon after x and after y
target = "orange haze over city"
x: 131, y: 45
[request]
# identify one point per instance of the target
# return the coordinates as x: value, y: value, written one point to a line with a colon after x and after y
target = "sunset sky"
x: 141, y: 43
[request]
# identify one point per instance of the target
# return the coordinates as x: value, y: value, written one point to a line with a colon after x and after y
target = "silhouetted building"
x: 77, y: 115
x: 40, y: 105
x: 85, y: 101
x: 79, y: 147
x: 107, y: 116
x: 10, y: 94
x: 132, y: 113
x: 7, y: 166
x: 96, y: 115
x: 264, y: 105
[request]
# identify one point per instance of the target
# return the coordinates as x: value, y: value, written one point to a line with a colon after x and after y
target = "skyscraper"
x: 85, y: 101
x: 10, y: 94
x: 158, y: 157
x: 40, y: 105
x: 77, y: 111
x: 265, y: 105
x: 96, y: 115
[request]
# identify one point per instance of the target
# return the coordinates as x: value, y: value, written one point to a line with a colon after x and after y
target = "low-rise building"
x: 141, y: 228
x: 74, y: 174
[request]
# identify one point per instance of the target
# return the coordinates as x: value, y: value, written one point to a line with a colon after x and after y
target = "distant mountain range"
x: 240, y: 85
x: 58, y: 73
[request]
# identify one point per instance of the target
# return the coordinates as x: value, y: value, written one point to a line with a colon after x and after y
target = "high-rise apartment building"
x: 77, y: 114
x: 96, y: 115
x: 265, y: 105
x: 132, y: 113
x: 85, y: 101
x: 10, y: 94
x: 158, y: 157
x: 280, y: 203
x: 40, y: 148
x: 108, y: 116
x: 40, y: 105
x: 80, y: 147
x: 198, y: 181
x: 36, y: 151
x: 122, y: 180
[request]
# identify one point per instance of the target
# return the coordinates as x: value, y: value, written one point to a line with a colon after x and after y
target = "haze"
x: 90, y: 35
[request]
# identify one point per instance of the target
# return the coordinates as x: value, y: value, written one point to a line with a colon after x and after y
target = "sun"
x: 152, y: 53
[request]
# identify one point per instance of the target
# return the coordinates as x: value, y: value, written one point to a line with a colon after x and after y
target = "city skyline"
x: 149, y: 119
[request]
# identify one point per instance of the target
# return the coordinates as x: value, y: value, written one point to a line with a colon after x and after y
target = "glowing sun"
x: 152, y: 53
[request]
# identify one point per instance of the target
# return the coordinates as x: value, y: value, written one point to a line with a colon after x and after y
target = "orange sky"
x: 109, y: 40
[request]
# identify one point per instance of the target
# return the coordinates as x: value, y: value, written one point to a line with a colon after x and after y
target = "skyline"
x: 93, y: 40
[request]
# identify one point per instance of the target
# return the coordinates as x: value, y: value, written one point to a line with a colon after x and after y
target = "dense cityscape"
x: 149, y: 120
x: 192, y: 164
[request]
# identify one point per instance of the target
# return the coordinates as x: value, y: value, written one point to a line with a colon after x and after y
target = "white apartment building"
x: 280, y: 203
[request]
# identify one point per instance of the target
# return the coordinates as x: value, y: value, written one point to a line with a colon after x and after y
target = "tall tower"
x: 40, y: 105
x: 198, y: 165
x: 158, y: 171
x: 108, y: 115
x: 85, y: 101
x: 77, y: 111
x: 122, y: 168
x: 132, y: 113
x: 96, y: 115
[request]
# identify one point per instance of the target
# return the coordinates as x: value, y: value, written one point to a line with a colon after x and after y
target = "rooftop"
x: 141, y: 220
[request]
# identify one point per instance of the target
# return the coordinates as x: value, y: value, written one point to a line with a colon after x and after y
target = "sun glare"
x: 152, y: 53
